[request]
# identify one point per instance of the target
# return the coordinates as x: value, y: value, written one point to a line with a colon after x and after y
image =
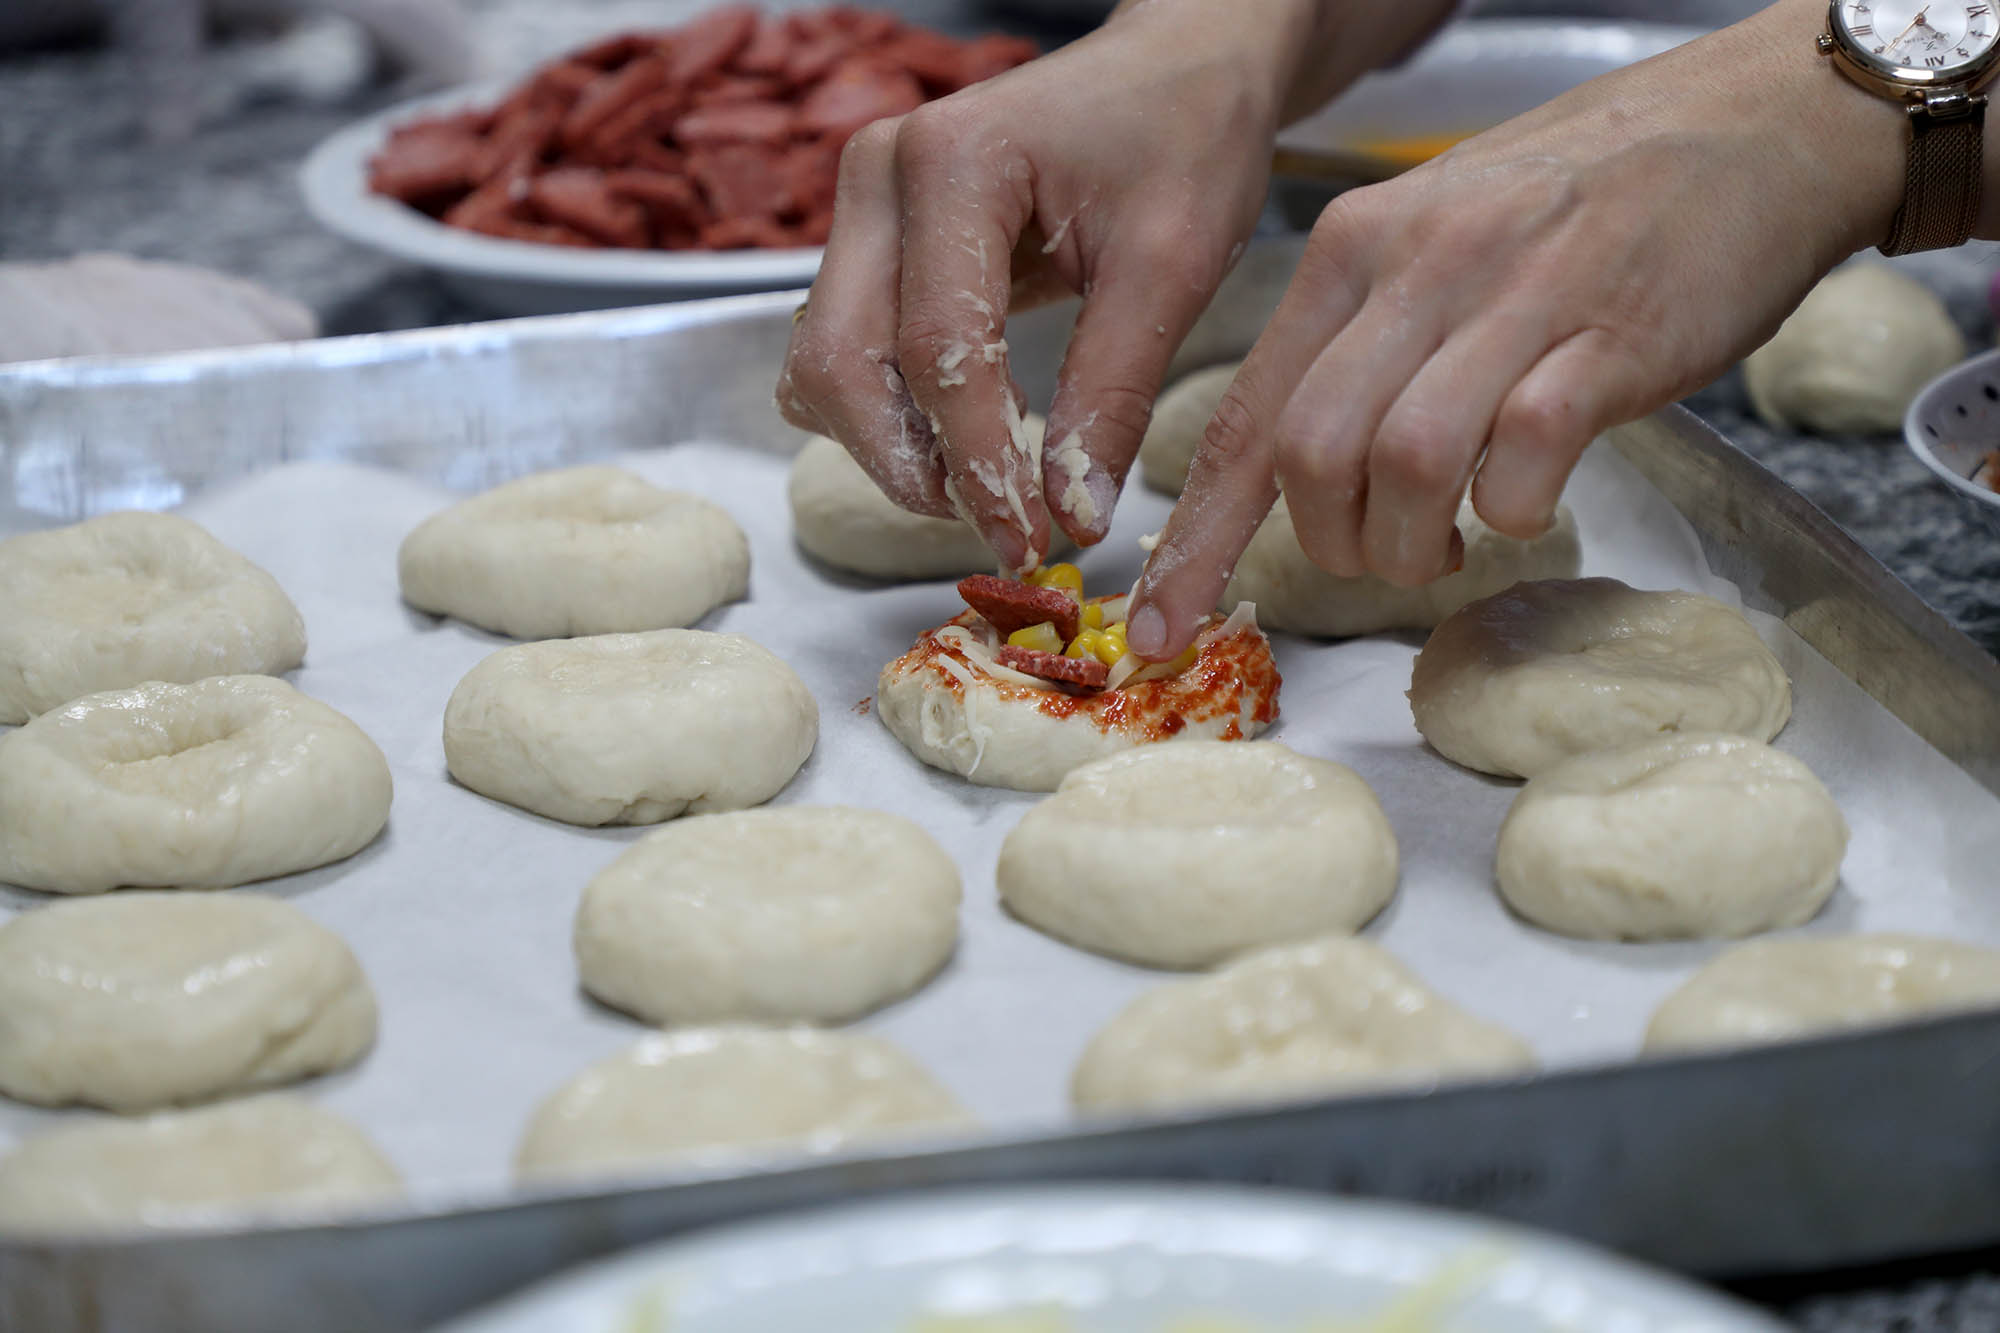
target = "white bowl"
x: 519, y: 277
x: 1954, y: 423
x: 1117, y: 1258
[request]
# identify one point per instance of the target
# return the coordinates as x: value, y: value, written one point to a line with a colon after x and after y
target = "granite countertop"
x: 74, y: 177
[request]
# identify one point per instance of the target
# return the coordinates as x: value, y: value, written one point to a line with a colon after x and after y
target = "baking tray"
x: 1835, y: 1151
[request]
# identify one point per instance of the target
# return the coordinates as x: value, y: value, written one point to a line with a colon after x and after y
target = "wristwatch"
x: 1934, y: 57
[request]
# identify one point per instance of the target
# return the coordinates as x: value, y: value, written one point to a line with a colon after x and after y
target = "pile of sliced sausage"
x: 722, y: 134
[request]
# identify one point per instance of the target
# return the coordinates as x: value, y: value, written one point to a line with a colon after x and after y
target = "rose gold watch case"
x: 1900, y: 83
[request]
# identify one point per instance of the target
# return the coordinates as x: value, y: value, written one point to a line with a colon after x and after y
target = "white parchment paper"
x: 461, y: 913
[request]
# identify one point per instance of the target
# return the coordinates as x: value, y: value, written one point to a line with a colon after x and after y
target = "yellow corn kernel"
x: 1184, y: 661
x: 1093, y: 616
x: 1060, y: 575
x: 1087, y: 643
x: 1042, y: 638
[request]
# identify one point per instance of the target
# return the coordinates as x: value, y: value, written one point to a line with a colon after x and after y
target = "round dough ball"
x: 225, y: 781
x: 148, y: 999
x: 1182, y: 855
x: 1684, y: 836
x: 581, y: 550
x: 127, y: 598
x: 703, y: 1091
x: 1304, y: 1020
x: 801, y: 913
x: 630, y: 728
x: 842, y: 518
x: 268, y: 1154
x: 1516, y: 683
x: 1853, y: 354
x: 1292, y: 593
x: 1180, y: 419
x: 1782, y: 989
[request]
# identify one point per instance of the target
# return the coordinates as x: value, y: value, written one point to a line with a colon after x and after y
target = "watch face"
x: 1930, y: 39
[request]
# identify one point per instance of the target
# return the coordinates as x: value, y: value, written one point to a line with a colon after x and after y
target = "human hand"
x: 1481, y: 319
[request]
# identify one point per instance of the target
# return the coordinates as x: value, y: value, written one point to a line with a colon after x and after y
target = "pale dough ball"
x: 225, y: 781
x: 1518, y: 682
x: 1182, y: 855
x: 1799, y: 986
x: 1180, y: 418
x: 1304, y: 1020
x: 813, y: 913
x: 1854, y: 353
x: 842, y: 518
x: 630, y: 728
x: 581, y: 550
x: 148, y: 999
x: 1684, y: 836
x: 127, y: 598
x: 273, y: 1154
x: 1292, y: 593
x: 703, y: 1091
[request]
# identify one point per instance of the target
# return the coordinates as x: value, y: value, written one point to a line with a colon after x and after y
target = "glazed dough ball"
x: 581, y: 550
x: 842, y: 518
x: 225, y: 781
x: 1781, y: 989
x: 698, y: 1092
x: 147, y: 999
x: 1518, y: 682
x: 1292, y: 593
x: 269, y: 1154
x: 1180, y: 418
x: 1684, y: 836
x: 630, y: 728
x: 1182, y: 855
x: 800, y: 913
x: 1305, y: 1020
x: 127, y: 598
x: 1854, y: 354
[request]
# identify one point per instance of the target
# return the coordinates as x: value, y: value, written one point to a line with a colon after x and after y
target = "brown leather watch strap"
x: 1941, y: 182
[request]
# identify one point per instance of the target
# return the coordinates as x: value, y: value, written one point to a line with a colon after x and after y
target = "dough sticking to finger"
x: 630, y: 728
x: 225, y: 781
x: 1684, y: 836
x: 125, y: 598
x: 272, y: 1155
x: 1183, y: 855
x: 1515, y: 683
x: 1180, y: 419
x: 1800, y: 986
x: 1301, y: 1021
x: 1292, y: 593
x: 582, y: 550
x: 700, y: 1092
x: 801, y: 913
x: 147, y: 999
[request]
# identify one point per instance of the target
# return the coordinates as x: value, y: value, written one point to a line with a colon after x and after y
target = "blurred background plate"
x: 1123, y: 1258
x: 1954, y: 424
x: 506, y: 277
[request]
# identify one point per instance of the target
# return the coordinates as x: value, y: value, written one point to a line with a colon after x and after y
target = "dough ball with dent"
x: 225, y: 781
x: 276, y: 1154
x: 148, y: 999
x: 1800, y: 986
x: 842, y: 518
x: 1180, y: 418
x: 1183, y: 855
x: 699, y: 1092
x: 127, y: 598
x: 1292, y: 593
x: 630, y: 728
x: 1518, y: 682
x: 803, y: 913
x: 1303, y: 1020
x: 581, y: 550
x: 1854, y: 353
x: 1683, y: 836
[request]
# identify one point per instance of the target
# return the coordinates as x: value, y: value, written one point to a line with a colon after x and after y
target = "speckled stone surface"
x: 74, y: 177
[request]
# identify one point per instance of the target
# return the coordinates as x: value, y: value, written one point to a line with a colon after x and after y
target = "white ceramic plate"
x: 1953, y: 423
x: 1118, y: 1258
x: 519, y: 277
